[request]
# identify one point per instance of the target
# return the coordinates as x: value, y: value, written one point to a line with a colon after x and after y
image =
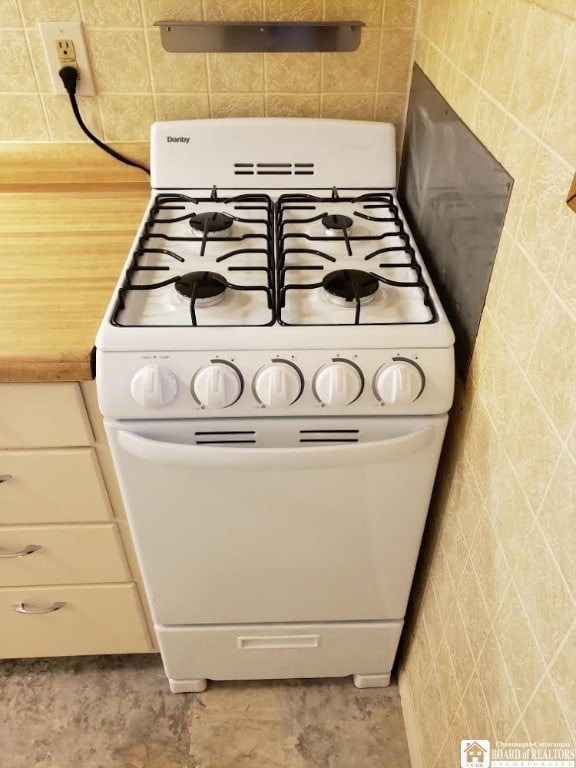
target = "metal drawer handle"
x: 23, y: 608
x: 23, y: 552
x: 5, y: 478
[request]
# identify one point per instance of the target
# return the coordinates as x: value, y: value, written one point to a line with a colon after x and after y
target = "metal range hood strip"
x: 254, y: 36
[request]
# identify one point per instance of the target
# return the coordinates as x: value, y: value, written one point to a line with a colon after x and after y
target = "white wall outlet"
x: 64, y: 45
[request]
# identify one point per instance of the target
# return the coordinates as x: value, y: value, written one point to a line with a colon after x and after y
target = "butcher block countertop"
x: 64, y: 235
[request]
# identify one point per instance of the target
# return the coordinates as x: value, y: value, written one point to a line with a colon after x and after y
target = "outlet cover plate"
x: 51, y: 32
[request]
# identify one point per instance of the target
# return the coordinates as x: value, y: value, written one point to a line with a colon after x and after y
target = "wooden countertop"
x: 61, y: 250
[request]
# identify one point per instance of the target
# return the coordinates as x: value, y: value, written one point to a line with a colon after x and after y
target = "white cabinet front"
x: 236, y: 534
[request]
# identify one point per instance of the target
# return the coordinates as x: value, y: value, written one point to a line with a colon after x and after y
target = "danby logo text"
x: 180, y: 139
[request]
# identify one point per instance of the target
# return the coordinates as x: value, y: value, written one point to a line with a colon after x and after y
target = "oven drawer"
x: 43, y: 415
x: 52, y: 486
x: 250, y: 651
x: 62, y: 554
x: 94, y: 619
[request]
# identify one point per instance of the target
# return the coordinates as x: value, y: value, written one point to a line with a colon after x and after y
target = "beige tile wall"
x: 492, y: 651
x: 138, y: 82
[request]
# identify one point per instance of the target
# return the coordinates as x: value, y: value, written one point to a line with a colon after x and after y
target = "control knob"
x: 399, y: 383
x: 217, y: 385
x: 278, y: 385
x: 154, y: 386
x: 338, y: 383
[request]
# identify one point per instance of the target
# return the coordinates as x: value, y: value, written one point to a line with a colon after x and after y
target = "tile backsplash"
x: 492, y: 645
x: 138, y: 82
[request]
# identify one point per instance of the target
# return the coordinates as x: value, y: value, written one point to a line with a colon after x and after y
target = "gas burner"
x: 337, y: 222
x: 211, y: 221
x: 205, y: 288
x: 347, y: 287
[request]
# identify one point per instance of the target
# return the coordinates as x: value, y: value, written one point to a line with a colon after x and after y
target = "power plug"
x: 64, y: 45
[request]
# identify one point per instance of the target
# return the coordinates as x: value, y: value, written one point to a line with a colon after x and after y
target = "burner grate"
x: 215, y: 229
x: 302, y: 252
x: 305, y: 260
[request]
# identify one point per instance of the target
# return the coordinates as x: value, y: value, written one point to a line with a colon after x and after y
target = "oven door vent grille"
x: 330, y: 436
x: 274, y: 169
x: 226, y: 437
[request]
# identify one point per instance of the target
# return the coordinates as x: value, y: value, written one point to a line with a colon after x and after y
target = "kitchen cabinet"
x: 66, y: 585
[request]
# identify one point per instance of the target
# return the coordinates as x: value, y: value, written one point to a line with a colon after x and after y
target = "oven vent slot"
x: 226, y: 437
x: 274, y: 169
x: 329, y: 435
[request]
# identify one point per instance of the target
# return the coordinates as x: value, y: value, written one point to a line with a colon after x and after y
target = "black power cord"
x: 69, y: 76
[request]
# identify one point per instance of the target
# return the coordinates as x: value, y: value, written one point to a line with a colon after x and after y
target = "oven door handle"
x: 324, y: 457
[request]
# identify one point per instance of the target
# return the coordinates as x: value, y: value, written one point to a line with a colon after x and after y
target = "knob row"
x: 279, y: 384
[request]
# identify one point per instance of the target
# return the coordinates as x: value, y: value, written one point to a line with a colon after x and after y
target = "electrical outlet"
x: 66, y: 52
x: 64, y: 45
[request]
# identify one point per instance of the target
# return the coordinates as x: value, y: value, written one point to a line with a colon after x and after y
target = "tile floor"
x: 117, y: 712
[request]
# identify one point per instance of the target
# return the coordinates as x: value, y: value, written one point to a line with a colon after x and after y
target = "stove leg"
x: 196, y: 685
x: 372, y: 681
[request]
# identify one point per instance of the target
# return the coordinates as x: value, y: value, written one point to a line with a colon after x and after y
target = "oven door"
x: 248, y: 533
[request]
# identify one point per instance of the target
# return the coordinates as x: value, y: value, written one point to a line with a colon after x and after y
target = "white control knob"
x: 399, y: 383
x: 338, y: 383
x: 217, y: 385
x: 278, y: 385
x: 154, y: 386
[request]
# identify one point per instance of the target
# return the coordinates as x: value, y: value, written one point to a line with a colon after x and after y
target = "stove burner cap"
x: 336, y: 221
x: 207, y: 287
x: 343, y: 286
x: 211, y: 221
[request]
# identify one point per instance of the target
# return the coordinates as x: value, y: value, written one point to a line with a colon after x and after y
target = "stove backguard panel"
x: 455, y: 196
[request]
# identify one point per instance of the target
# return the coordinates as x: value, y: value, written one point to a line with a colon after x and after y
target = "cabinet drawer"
x: 95, y: 619
x: 52, y: 486
x: 273, y: 651
x: 73, y: 554
x: 43, y: 416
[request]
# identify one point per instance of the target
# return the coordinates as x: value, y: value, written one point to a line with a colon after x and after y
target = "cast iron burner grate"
x: 379, y: 209
x: 204, y: 287
x: 209, y: 225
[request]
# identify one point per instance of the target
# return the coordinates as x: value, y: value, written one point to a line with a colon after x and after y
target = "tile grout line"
x: 379, y: 63
x: 557, y: 83
x: 569, y: 589
x: 265, y: 99
x: 149, y: 62
x: 543, y: 676
x: 504, y: 110
x: 535, y: 524
x: 549, y: 283
x: 508, y: 673
x: 488, y: 44
x: 20, y: 14
x: 39, y: 93
x: 24, y: 27
x: 510, y: 462
x: 510, y: 351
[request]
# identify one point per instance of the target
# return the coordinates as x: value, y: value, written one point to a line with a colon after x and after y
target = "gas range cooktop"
x: 259, y: 230
x: 273, y: 272
x: 246, y: 260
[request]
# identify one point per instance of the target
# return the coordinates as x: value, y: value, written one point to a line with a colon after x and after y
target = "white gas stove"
x: 275, y: 345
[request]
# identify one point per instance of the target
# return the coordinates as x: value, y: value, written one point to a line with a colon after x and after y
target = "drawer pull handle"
x: 5, y: 478
x: 261, y: 642
x: 23, y: 608
x: 30, y: 549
